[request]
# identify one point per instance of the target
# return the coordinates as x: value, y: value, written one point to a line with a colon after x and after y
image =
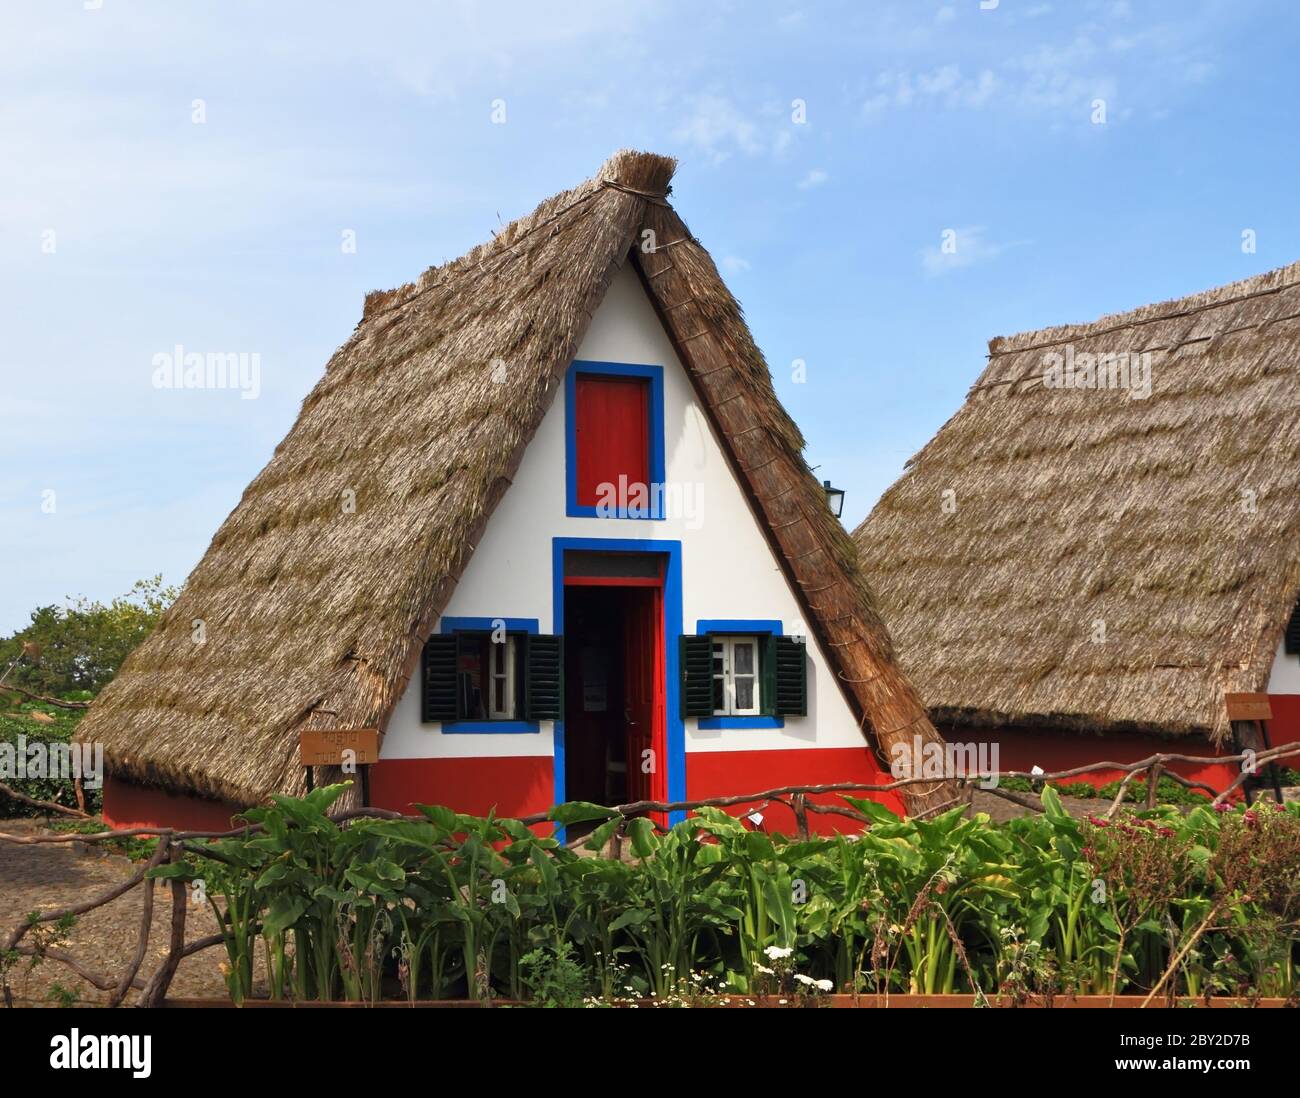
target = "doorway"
x: 614, y: 674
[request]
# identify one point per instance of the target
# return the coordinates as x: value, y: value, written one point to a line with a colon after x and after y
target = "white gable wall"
x: 1285, y: 676
x: 728, y: 570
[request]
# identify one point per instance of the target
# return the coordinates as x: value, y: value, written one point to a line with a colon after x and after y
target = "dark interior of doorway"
x: 595, y: 721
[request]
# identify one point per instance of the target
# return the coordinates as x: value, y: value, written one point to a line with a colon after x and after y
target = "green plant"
x: 448, y: 905
x: 552, y: 977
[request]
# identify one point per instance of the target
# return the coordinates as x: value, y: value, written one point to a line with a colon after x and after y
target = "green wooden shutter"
x: 1293, y: 632
x: 767, y: 675
x: 438, y: 693
x: 696, y: 657
x: 543, y: 677
x: 790, y: 677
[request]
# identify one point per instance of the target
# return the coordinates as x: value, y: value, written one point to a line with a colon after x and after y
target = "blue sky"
x: 920, y: 117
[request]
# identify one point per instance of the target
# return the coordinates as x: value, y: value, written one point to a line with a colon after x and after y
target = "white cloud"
x: 733, y: 264
x: 965, y: 248
x: 944, y: 86
x: 718, y: 128
x: 814, y: 178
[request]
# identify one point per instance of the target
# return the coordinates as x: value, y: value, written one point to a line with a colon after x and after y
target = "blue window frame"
x: 487, y: 625
x: 655, y: 375
x: 747, y: 627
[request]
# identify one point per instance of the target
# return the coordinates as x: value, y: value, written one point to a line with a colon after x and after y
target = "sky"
x: 885, y: 185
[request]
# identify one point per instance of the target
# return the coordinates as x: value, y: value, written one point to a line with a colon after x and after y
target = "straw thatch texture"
x: 315, y: 612
x: 1173, y: 521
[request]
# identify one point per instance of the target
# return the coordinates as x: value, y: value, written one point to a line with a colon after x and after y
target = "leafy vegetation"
x: 30, y: 723
x: 80, y: 646
x: 1168, y: 791
x: 457, y: 906
x: 67, y: 653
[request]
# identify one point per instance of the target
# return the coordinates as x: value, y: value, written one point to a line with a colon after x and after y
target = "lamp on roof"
x: 834, y: 498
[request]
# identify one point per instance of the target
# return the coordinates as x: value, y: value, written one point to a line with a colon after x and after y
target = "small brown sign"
x: 325, y: 746
x: 1248, y: 707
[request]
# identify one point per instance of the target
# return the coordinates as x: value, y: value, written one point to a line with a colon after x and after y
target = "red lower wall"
x: 129, y: 805
x: 513, y: 786
x: 1023, y: 749
x: 521, y: 786
x: 1284, y: 728
x: 724, y: 773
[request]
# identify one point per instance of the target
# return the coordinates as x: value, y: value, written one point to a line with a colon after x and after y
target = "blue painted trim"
x: 738, y: 625
x: 486, y: 625
x: 742, y: 722
x: 655, y: 374
x: 481, y: 727
x: 675, y: 726
x: 744, y: 626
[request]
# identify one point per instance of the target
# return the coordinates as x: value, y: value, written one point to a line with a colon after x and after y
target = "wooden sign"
x: 1248, y: 707
x: 325, y: 746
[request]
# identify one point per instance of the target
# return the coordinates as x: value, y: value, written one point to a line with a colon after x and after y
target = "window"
x: 488, y: 673
x: 491, y: 675
x: 736, y: 686
x: 742, y: 674
x: 612, y: 436
x: 614, y: 440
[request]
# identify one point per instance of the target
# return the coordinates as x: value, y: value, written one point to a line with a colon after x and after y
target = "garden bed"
x: 842, y: 1002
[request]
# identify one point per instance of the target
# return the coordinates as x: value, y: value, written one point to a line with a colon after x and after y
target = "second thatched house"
x: 1105, y: 539
x: 545, y: 525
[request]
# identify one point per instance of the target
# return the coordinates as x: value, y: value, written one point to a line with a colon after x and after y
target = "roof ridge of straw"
x: 625, y: 169
x: 1267, y: 282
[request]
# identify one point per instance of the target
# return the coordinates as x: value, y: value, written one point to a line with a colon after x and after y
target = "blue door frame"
x: 674, y: 726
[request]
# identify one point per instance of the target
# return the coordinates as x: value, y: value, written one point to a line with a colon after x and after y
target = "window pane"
x: 744, y: 693
x: 719, y: 695
x: 471, y: 672
x: 744, y: 657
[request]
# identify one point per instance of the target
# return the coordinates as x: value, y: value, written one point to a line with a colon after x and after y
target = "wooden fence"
x: 174, y: 844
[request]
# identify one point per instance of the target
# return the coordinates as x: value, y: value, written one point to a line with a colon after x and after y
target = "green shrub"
x: 451, y: 905
x: 19, y: 726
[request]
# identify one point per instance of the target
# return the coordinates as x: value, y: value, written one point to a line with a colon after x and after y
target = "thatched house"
x: 545, y: 524
x: 1106, y: 537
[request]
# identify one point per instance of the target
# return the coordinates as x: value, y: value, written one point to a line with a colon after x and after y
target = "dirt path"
x: 52, y: 876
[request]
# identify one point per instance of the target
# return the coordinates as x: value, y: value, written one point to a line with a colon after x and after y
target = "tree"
x: 80, y: 646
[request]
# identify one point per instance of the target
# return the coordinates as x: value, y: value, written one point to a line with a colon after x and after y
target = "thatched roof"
x: 1175, y: 520
x: 315, y: 617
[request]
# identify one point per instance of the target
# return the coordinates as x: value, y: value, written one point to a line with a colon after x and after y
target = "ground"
x: 55, y: 875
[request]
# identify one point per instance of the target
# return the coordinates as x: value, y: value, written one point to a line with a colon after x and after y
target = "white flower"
x: 777, y: 953
x: 808, y: 980
x: 764, y: 970
x: 825, y: 985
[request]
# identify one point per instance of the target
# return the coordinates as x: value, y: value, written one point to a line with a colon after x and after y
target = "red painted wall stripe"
x: 129, y: 805
x: 514, y: 786
x: 1021, y: 749
x: 724, y: 773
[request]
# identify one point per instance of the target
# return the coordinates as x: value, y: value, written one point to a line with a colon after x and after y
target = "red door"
x: 643, y: 694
